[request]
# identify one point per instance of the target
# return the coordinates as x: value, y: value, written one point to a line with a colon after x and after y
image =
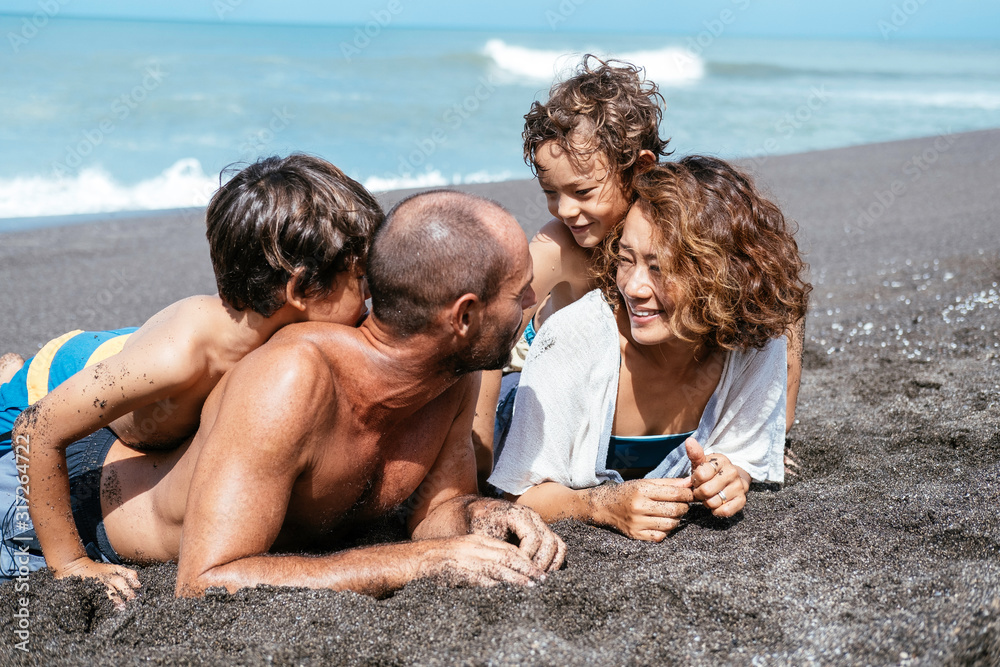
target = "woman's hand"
x: 719, y: 484
x: 643, y: 509
x: 121, y: 582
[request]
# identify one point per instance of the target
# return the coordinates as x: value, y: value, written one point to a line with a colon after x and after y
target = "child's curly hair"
x: 613, y: 103
x: 725, y: 248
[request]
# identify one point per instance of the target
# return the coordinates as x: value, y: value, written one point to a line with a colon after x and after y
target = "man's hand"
x: 502, y: 520
x: 476, y: 560
x: 719, y: 484
x: 643, y: 509
x: 120, y: 581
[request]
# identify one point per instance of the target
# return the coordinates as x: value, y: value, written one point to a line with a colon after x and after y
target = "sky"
x: 879, y: 19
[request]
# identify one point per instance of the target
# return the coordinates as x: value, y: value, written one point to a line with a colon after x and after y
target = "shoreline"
x: 29, y: 223
x: 125, y: 266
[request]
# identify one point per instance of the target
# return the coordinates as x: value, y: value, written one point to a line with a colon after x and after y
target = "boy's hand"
x: 120, y: 581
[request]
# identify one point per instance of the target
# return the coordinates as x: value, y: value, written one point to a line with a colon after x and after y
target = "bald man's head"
x: 433, y: 248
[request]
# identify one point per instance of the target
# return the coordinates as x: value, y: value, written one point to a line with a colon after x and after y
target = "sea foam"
x: 669, y: 66
x: 181, y: 185
x: 432, y: 178
x: 93, y: 190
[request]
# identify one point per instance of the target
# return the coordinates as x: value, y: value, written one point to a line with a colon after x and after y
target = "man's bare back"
x: 350, y: 464
x: 326, y: 426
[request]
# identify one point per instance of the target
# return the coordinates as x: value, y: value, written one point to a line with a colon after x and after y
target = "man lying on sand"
x: 288, y: 238
x: 327, y: 426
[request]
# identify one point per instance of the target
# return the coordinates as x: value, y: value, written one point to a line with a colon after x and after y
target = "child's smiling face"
x: 581, y: 191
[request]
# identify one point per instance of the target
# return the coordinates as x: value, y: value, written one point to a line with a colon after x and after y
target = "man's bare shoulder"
x: 304, y: 360
x: 324, y: 338
x: 287, y: 386
x: 308, y: 348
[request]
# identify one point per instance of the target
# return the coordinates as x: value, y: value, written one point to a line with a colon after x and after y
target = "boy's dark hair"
x: 432, y: 248
x: 280, y: 217
x: 613, y: 103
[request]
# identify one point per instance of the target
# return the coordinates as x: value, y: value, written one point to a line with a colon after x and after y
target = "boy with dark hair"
x: 289, y: 239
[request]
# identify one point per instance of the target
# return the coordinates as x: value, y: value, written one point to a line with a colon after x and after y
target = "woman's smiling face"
x: 647, y: 292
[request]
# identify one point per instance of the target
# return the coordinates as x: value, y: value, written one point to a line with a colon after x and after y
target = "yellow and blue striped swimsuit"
x: 56, y: 362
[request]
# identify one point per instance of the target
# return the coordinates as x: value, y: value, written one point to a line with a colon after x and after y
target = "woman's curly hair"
x: 613, y: 103
x: 724, y: 248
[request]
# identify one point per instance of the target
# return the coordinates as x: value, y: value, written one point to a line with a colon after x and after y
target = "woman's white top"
x: 565, y: 406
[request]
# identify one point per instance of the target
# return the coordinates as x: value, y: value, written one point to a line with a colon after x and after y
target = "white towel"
x: 565, y: 406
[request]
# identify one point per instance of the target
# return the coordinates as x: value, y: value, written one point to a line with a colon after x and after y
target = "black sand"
x: 885, y: 550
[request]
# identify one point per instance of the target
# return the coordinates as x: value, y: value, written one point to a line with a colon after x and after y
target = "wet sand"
x: 884, y: 550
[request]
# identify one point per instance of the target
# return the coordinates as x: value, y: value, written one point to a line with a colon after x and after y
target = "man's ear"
x: 465, y: 315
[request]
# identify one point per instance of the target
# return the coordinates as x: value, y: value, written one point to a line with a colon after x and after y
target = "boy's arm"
x: 484, y: 423
x: 159, y: 366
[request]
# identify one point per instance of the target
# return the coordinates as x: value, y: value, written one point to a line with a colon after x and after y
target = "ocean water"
x: 111, y: 115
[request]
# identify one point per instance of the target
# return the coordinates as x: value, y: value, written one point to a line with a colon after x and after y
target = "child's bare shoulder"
x: 194, y: 317
x: 556, y: 253
x: 197, y: 329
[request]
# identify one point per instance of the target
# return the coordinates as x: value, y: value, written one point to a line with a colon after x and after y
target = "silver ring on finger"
x: 722, y: 494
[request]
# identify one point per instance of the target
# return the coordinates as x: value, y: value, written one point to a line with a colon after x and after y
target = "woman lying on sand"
x: 675, y: 366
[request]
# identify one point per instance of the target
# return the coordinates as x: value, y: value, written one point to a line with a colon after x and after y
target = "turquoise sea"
x: 115, y: 115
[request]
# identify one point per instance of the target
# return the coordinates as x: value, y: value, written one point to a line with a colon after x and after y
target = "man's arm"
x: 256, y: 449
x: 443, y: 505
